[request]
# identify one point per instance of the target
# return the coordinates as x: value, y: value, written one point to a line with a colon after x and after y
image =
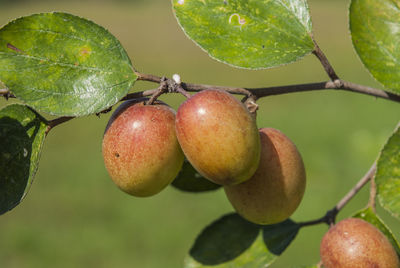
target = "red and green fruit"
x: 219, y: 137
x: 276, y: 189
x: 140, y: 149
x: 355, y: 243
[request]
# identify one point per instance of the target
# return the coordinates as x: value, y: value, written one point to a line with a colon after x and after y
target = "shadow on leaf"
x: 277, y: 237
x: 224, y: 240
x: 189, y: 180
x: 15, y: 160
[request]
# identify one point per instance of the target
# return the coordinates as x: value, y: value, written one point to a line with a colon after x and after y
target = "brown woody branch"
x: 337, y: 84
x: 195, y: 87
x: 250, y: 93
x: 324, y: 61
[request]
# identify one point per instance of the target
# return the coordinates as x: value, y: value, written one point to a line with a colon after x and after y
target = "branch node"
x: 251, y: 105
x: 175, y: 86
x: 330, y: 216
x: 338, y: 83
x: 163, y: 88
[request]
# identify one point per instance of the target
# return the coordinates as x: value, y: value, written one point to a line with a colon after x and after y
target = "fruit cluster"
x: 262, y: 172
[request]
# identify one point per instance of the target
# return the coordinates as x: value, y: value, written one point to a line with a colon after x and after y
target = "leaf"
x: 248, y: 34
x: 388, y: 175
x: 63, y: 65
x: 277, y: 237
x: 232, y: 241
x: 374, y: 26
x: 368, y: 215
x: 189, y: 180
x: 22, y: 132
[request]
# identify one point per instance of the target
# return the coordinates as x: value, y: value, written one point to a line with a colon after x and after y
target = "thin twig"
x: 325, y: 62
x: 57, y: 121
x: 372, y: 195
x: 328, y: 85
x: 148, y: 77
x: 367, y: 177
x: 181, y: 90
x: 369, y: 91
x: 330, y: 215
x: 280, y: 90
x: 233, y: 90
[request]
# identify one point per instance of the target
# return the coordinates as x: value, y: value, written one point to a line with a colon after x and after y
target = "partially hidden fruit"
x: 355, y: 243
x: 140, y: 149
x: 276, y: 189
x: 218, y: 136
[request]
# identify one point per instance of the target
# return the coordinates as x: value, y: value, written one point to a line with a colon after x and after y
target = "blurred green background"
x: 75, y: 217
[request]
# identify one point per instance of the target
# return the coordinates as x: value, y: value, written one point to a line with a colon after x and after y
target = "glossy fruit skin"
x: 219, y: 137
x: 140, y: 149
x: 356, y: 243
x: 276, y: 189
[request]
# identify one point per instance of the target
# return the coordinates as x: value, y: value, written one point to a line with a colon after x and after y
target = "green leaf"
x: 388, y: 175
x: 368, y: 215
x: 63, y: 65
x: 248, y: 34
x: 22, y: 132
x: 232, y: 241
x: 374, y: 26
x: 189, y: 180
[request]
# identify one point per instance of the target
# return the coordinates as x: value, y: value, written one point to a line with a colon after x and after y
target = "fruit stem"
x: 163, y: 88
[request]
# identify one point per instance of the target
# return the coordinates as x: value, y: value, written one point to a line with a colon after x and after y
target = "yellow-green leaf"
x: 249, y: 34
x: 63, y: 64
x: 374, y: 26
x: 388, y: 175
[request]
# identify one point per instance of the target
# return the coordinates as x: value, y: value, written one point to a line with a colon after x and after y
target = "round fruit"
x: 140, y: 148
x: 218, y: 136
x: 274, y: 192
x: 355, y: 243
